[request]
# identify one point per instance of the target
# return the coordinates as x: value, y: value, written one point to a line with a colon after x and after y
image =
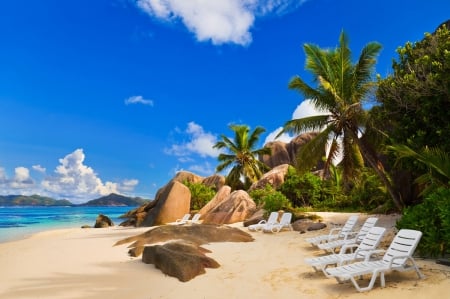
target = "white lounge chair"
x: 357, y: 236
x: 364, y: 249
x: 195, y: 218
x: 398, y: 257
x: 183, y: 220
x: 335, y: 233
x: 285, y: 222
x: 273, y: 218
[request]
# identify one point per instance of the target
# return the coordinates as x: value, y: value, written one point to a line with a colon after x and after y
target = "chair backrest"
x: 273, y: 218
x: 403, y: 244
x: 367, y: 226
x: 196, y: 217
x: 186, y: 217
x: 286, y: 218
x: 370, y: 241
x: 349, y: 224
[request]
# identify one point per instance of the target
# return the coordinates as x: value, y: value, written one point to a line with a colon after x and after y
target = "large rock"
x: 171, y: 203
x: 181, y: 259
x: 196, y: 233
x: 103, y: 221
x: 236, y: 207
x: 285, y: 153
x: 274, y: 177
x: 220, y: 197
x: 216, y: 181
x: 186, y: 176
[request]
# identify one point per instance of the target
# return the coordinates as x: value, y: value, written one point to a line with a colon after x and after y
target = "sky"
x: 118, y: 95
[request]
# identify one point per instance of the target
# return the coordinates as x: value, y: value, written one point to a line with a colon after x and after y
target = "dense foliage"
x: 200, y: 194
x: 432, y: 218
x: 270, y: 199
x: 415, y: 99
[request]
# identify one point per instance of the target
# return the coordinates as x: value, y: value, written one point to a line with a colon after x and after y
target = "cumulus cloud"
x: 200, y: 143
x: 218, y: 21
x: 39, y: 168
x: 78, y: 182
x: 138, y: 100
x: 304, y: 109
x: 20, y: 180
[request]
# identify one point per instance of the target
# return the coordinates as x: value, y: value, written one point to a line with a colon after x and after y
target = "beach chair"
x: 335, y: 233
x: 398, y: 257
x: 183, y: 220
x: 285, y: 222
x: 195, y: 218
x: 331, y: 246
x: 363, y: 250
x: 273, y: 218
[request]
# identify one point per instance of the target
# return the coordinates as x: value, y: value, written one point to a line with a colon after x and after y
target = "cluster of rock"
x: 173, y: 200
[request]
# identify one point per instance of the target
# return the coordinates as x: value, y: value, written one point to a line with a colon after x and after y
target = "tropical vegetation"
x: 242, y: 156
x: 343, y: 87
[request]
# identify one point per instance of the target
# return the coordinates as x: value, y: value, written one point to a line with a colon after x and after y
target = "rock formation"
x: 236, y: 207
x: 181, y: 259
x: 285, y: 153
x: 274, y: 177
x: 103, y: 221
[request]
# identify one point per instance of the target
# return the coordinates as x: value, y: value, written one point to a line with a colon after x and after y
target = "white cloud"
x: 21, y: 178
x: 77, y: 182
x: 304, y: 109
x: 220, y: 21
x: 138, y: 100
x: 200, y: 143
x: 39, y: 168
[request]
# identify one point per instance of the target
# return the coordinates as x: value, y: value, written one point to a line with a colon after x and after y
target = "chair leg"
x: 369, y: 286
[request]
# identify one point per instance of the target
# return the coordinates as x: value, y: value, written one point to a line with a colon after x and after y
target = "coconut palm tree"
x: 342, y: 89
x: 242, y: 156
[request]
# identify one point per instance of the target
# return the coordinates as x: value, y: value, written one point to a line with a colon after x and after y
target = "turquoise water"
x: 21, y: 222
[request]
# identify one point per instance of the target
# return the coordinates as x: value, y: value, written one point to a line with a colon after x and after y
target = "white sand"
x: 82, y: 263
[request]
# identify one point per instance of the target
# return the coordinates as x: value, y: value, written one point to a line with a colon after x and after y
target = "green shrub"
x: 200, y: 194
x: 302, y: 190
x: 368, y: 192
x: 270, y: 199
x: 432, y: 218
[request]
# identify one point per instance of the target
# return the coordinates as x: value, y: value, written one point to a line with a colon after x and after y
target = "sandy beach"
x: 83, y: 263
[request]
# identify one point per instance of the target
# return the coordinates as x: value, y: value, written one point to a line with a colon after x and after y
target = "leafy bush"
x: 270, y: 199
x: 200, y: 194
x: 368, y: 191
x: 302, y: 190
x: 432, y: 218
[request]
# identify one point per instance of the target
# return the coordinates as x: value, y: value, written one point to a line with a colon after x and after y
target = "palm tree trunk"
x: 376, y: 164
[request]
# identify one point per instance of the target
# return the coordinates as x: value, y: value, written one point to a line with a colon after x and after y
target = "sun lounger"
x: 398, y: 257
x: 364, y: 249
x: 335, y: 233
x: 273, y: 218
x: 285, y: 222
x: 195, y: 219
x: 183, y: 220
x: 358, y: 236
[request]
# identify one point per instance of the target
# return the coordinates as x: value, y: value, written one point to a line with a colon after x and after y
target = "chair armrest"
x: 345, y: 247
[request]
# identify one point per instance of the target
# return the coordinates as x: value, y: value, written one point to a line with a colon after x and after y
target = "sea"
x: 18, y: 222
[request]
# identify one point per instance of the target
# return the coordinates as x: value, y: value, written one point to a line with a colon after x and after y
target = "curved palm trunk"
x: 376, y: 164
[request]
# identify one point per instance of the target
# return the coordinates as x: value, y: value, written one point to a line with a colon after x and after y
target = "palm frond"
x: 311, y: 123
x: 312, y: 152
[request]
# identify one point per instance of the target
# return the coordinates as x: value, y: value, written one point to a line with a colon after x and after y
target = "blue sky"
x: 118, y: 95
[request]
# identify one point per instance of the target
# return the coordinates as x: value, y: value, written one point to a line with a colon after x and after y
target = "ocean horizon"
x: 19, y: 222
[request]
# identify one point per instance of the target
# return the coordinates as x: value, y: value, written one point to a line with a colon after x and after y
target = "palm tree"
x: 342, y: 88
x: 436, y: 161
x: 242, y: 156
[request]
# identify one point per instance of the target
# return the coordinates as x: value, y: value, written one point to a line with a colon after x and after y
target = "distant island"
x: 37, y: 200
